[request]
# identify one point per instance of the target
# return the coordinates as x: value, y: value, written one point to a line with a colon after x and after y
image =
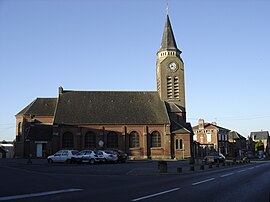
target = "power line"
x: 234, y: 118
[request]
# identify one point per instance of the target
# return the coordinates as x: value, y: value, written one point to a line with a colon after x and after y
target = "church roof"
x: 168, y: 40
x: 110, y: 107
x: 40, y: 107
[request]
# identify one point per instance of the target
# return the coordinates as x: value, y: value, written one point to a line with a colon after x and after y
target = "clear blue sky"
x: 112, y: 45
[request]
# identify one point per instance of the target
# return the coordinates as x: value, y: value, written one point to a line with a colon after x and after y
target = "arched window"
x: 90, y: 140
x: 20, y: 128
x: 112, y: 140
x: 179, y: 144
x: 67, y: 140
x: 134, y: 139
x: 155, y: 139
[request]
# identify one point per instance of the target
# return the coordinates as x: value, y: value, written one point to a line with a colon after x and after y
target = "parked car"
x: 90, y: 156
x: 214, y: 158
x: 250, y: 155
x: 109, y: 155
x: 64, y: 156
x: 122, y: 156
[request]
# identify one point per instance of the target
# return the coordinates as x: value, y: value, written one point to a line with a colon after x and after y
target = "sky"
x: 111, y: 45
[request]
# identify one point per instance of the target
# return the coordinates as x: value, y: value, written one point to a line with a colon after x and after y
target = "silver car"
x: 109, y: 155
x: 90, y: 156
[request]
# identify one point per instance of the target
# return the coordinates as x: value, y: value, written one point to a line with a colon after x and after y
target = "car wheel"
x: 73, y: 160
x: 92, y: 161
x: 50, y: 161
x: 68, y: 161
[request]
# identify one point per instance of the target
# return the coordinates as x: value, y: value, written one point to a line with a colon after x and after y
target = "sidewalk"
x: 132, y: 167
x: 181, y: 167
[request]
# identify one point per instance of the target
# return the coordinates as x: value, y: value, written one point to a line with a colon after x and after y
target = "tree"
x: 259, y: 146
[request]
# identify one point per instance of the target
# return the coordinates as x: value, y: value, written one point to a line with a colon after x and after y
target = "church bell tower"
x: 170, y: 70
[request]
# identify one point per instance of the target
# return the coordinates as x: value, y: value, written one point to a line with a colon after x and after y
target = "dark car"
x: 122, y: 156
x: 214, y: 158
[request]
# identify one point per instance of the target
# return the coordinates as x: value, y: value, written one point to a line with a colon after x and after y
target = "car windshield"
x: 75, y: 152
x: 98, y: 152
x: 88, y: 152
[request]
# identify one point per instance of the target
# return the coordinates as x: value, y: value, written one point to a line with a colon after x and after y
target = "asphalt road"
x: 19, y: 182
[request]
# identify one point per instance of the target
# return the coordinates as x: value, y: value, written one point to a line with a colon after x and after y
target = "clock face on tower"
x: 172, y: 66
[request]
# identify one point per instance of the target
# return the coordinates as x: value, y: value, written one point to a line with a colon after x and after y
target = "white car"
x: 67, y: 156
x: 109, y: 155
x: 90, y: 156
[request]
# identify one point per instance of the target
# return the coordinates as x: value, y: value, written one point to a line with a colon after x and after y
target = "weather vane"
x: 167, y: 7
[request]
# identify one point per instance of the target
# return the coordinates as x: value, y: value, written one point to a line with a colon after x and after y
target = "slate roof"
x: 260, y: 135
x: 110, y: 107
x: 235, y: 135
x: 181, y: 127
x: 40, y: 107
x: 173, y: 108
x: 212, y: 126
x: 168, y: 41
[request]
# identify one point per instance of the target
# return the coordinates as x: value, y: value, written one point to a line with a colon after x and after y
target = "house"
x: 209, y: 137
x: 6, y: 150
x: 144, y: 124
x: 237, y: 146
x: 262, y: 136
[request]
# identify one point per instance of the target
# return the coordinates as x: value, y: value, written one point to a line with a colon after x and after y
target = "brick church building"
x: 144, y: 124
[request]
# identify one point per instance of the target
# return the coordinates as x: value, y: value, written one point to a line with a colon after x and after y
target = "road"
x: 249, y: 182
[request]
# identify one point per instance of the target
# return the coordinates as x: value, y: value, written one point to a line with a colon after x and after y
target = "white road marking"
x: 202, y: 181
x: 157, y: 194
x: 251, y: 168
x: 227, y: 175
x: 5, y: 198
x: 240, y: 171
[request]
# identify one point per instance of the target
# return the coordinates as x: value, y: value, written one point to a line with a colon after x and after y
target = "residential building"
x: 237, y: 146
x: 209, y: 137
x: 262, y: 136
x: 145, y: 124
x: 6, y: 150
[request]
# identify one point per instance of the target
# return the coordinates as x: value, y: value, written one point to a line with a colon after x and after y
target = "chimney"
x: 201, y: 124
x: 60, y: 90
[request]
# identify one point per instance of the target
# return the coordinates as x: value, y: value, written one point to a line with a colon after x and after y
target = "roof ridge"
x: 24, y: 110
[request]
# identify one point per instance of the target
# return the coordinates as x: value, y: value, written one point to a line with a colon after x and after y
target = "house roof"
x: 211, y: 126
x: 40, y: 132
x: 235, y: 135
x: 40, y: 107
x: 260, y: 135
x: 110, y: 107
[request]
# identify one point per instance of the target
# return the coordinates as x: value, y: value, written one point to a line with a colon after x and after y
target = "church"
x: 144, y: 124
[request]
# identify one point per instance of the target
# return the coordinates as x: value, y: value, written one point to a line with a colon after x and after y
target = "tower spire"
x: 168, y: 41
